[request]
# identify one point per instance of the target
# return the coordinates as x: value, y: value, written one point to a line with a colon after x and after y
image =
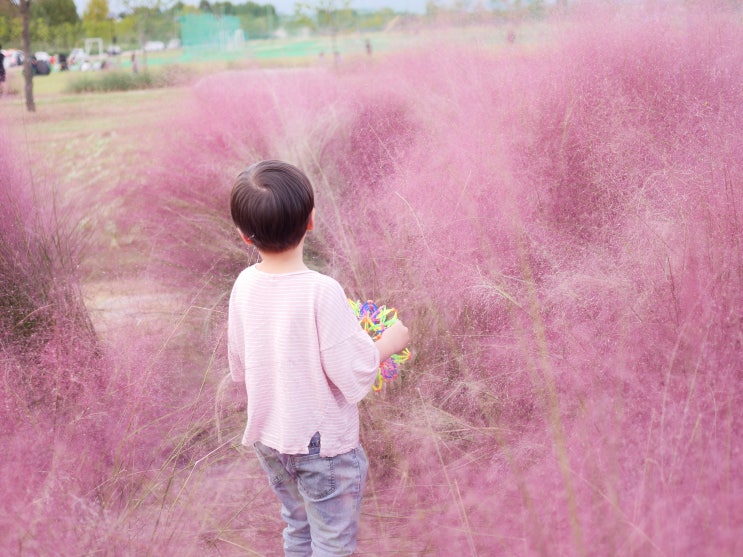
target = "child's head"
x: 271, y: 203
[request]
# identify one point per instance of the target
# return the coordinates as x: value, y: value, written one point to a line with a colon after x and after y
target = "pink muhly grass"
x: 41, y: 309
x: 84, y: 428
x: 561, y: 230
x: 49, y: 356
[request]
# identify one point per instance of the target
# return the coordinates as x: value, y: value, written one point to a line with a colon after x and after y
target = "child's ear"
x: 311, y: 220
x: 244, y: 237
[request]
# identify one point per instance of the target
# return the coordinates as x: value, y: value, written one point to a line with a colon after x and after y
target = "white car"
x: 13, y: 57
x: 151, y: 46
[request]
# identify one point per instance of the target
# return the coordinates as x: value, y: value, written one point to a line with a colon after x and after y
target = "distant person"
x: 135, y: 65
x: 368, y: 46
x: 42, y: 67
x: 2, y: 71
x: 63, y: 67
x: 296, y: 344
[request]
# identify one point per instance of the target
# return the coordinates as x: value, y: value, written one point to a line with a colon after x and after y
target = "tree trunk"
x: 28, y: 75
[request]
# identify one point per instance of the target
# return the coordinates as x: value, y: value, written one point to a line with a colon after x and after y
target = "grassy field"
x: 89, y: 140
x: 302, y: 51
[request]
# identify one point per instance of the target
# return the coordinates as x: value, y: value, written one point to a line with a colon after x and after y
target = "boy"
x: 305, y: 361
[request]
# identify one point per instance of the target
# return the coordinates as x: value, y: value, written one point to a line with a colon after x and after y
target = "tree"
x: 330, y: 15
x: 95, y: 19
x: 55, y: 12
x: 146, y: 13
x: 96, y: 10
x: 24, y: 6
x: 257, y: 20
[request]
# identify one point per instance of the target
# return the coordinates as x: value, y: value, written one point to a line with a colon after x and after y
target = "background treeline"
x: 56, y: 26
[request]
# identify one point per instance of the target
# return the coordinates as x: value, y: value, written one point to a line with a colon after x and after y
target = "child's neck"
x: 289, y: 261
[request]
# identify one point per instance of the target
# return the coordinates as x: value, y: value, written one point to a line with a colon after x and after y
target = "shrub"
x: 119, y: 80
x: 40, y: 301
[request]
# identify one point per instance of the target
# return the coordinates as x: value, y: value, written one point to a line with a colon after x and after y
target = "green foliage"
x: 99, y: 29
x: 256, y: 20
x: 531, y: 7
x: 108, y: 81
x: 10, y: 30
x: 335, y: 16
x: 250, y: 9
x: 329, y: 15
x: 40, y: 29
x: 151, y: 24
x: 55, y: 12
x: 258, y: 27
x: 96, y: 22
x: 125, y: 30
x: 56, y: 27
x: 96, y: 10
x: 375, y: 20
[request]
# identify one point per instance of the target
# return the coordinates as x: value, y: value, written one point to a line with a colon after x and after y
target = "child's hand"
x: 394, y: 339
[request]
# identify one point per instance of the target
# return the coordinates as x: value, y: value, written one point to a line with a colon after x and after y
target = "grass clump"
x: 82, y: 425
x: 118, y: 80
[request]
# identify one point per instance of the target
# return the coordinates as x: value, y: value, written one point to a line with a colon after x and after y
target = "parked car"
x: 151, y: 46
x: 13, y: 57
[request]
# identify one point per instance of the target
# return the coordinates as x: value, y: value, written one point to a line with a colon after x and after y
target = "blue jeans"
x: 320, y: 498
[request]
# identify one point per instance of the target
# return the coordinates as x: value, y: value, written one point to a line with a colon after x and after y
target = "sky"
x: 287, y: 6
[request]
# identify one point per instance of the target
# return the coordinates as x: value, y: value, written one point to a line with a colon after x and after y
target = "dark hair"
x: 271, y: 204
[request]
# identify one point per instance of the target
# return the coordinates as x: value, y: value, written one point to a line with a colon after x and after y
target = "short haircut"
x: 271, y: 204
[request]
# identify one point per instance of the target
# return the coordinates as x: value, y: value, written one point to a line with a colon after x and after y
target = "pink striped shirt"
x: 305, y: 360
